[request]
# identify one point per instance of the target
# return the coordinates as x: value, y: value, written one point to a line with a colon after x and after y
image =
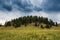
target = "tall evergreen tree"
x: 56, y: 24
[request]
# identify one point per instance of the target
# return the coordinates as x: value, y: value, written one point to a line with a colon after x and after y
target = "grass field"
x: 29, y: 33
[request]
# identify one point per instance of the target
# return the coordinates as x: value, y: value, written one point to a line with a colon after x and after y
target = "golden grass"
x: 29, y: 33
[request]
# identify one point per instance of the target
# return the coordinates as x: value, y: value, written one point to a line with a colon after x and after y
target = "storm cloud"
x: 22, y: 5
x: 51, y: 5
x: 10, y: 9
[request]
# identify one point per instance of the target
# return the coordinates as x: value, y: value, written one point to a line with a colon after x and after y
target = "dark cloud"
x: 28, y: 6
x: 25, y: 6
x: 37, y: 8
x: 22, y: 5
x: 9, y: 8
x: 5, y: 5
x: 52, y: 5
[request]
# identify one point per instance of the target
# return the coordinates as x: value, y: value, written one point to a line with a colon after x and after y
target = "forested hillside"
x: 36, y: 21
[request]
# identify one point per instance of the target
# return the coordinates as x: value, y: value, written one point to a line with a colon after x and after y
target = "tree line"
x: 26, y: 20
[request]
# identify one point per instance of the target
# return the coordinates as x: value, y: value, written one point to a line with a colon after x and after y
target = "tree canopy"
x: 30, y: 19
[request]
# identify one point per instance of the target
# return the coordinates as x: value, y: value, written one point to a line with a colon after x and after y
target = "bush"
x: 42, y: 26
x: 47, y: 26
x: 56, y: 24
x: 17, y: 25
x: 0, y: 25
x: 35, y: 24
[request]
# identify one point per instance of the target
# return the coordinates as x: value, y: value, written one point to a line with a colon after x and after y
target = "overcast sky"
x: 10, y: 9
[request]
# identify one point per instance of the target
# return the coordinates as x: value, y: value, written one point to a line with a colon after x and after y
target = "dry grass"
x: 29, y: 33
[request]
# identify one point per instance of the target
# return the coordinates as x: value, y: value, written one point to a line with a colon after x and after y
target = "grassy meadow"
x: 29, y: 33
